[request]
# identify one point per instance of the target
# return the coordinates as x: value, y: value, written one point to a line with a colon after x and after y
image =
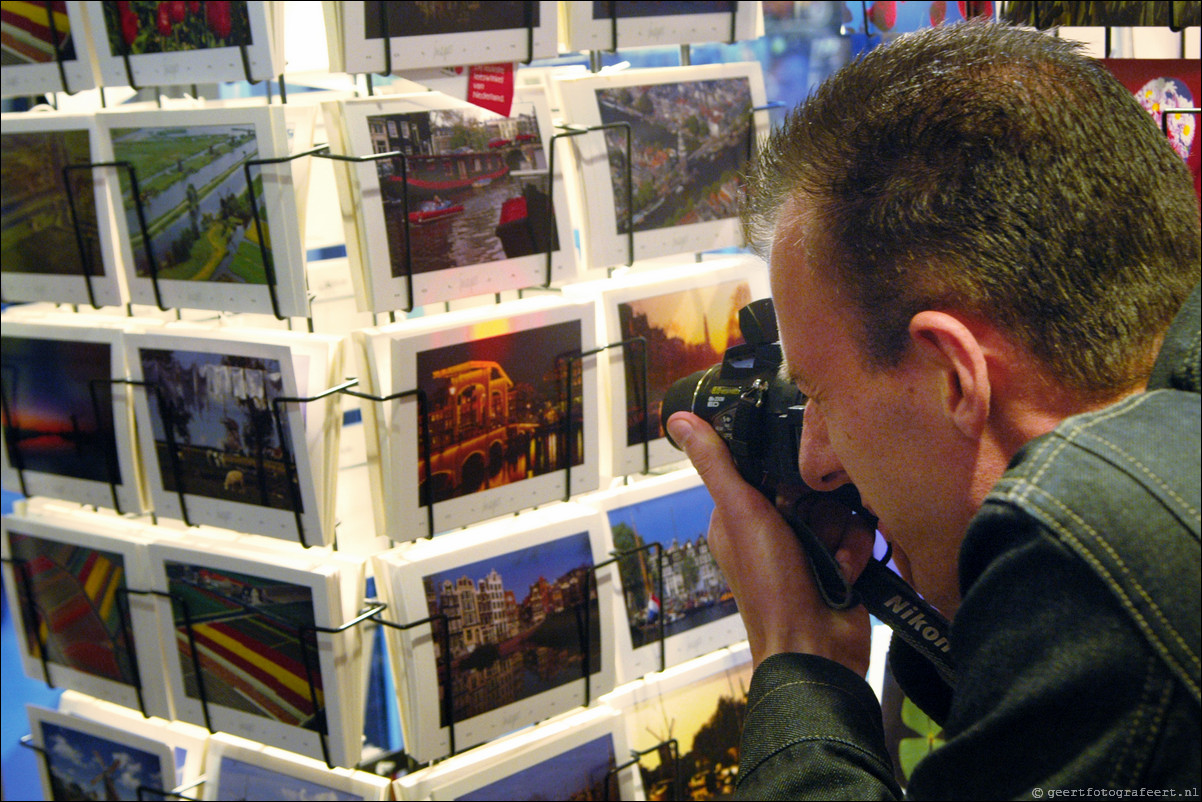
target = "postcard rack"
x: 577, y: 130
x: 425, y: 492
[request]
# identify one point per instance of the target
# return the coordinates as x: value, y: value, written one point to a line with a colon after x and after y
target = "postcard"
x: 68, y: 421
x: 191, y: 236
x: 150, y: 43
x: 54, y: 203
x: 240, y: 632
x: 672, y: 588
x: 45, y: 50
x: 700, y: 705
x: 505, y: 430
x: 676, y: 141
x: 242, y: 769
x: 88, y: 760
x: 470, y: 210
x: 187, y: 742
x: 509, y: 604
x: 77, y: 623
x: 1115, y: 15
x: 676, y: 320
x: 571, y: 756
x: 589, y: 25
x: 387, y: 38
x: 215, y: 450
x: 1160, y: 84
x: 898, y: 18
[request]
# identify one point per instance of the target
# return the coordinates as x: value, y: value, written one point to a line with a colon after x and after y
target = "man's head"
x: 974, y: 231
x: 998, y: 172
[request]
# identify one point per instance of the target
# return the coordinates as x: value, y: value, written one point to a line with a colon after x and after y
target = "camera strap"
x: 886, y: 596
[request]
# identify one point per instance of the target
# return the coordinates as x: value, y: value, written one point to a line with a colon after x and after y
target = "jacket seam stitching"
x: 744, y: 775
x: 1108, y: 579
x: 1136, y: 728
x: 792, y: 683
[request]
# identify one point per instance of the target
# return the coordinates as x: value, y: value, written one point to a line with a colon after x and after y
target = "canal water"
x: 466, y: 238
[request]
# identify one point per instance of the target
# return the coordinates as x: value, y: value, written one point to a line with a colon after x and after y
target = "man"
x: 978, y: 244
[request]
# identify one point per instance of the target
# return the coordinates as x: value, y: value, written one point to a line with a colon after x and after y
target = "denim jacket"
x: 1076, y: 643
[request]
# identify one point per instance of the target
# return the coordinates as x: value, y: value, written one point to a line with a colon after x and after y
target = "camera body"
x: 756, y: 410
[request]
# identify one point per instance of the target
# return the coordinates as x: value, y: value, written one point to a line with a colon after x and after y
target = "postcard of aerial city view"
x: 514, y: 624
x: 689, y: 141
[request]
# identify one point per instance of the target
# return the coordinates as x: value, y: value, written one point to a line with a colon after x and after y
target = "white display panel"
x: 52, y: 210
x: 520, y: 658
x: 692, y: 130
x: 194, y: 201
x: 476, y: 212
x: 671, y: 586
x: 212, y: 394
x: 422, y: 35
x: 193, y: 43
x: 495, y: 379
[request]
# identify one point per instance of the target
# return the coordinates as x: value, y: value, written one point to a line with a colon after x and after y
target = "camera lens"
x: 681, y: 396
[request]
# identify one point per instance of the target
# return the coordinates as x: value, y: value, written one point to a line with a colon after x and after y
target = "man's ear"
x: 950, y: 348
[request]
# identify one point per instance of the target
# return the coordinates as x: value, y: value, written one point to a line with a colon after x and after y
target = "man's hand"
x: 765, y: 565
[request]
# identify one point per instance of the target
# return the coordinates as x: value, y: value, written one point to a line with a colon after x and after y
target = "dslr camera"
x: 756, y: 410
